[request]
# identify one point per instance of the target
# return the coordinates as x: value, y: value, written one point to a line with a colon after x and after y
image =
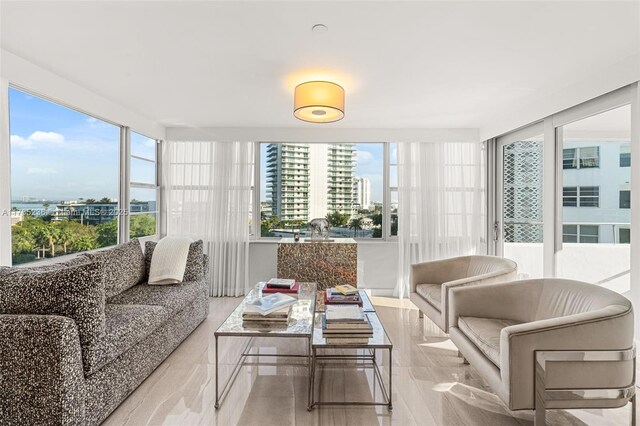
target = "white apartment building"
x: 362, y: 193
x: 306, y: 181
x: 596, y: 194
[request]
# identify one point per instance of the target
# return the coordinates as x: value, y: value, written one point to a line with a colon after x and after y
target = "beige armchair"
x: 432, y: 281
x: 547, y: 343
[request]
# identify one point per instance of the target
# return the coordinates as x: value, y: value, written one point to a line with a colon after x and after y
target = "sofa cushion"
x: 76, y: 292
x: 173, y: 298
x: 195, y: 269
x: 485, y: 334
x: 124, y: 266
x: 126, y: 325
x: 432, y: 293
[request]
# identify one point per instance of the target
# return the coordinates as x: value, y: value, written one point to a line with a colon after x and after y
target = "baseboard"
x: 380, y: 292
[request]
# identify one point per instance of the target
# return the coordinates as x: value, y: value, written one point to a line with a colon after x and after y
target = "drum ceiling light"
x: 318, y: 102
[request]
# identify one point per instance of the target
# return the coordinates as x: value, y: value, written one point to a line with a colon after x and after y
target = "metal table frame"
x: 246, y: 352
x: 371, y: 357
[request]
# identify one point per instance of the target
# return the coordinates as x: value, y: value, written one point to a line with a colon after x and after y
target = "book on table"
x: 332, y: 297
x: 346, y: 341
x: 346, y: 289
x: 344, y: 313
x: 352, y: 329
x: 281, y: 283
x: 280, y: 315
x: 269, y: 304
x: 268, y: 289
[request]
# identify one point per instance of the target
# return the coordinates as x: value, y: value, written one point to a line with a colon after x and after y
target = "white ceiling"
x: 403, y: 65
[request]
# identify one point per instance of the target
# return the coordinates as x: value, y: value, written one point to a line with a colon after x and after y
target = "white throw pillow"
x: 169, y: 260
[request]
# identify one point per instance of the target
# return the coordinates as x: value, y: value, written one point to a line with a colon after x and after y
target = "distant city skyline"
x: 369, y: 164
x: 61, y: 154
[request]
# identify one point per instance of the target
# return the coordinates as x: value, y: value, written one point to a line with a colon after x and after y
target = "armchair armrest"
x: 609, y: 328
x: 489, y: 278
x: 438, y: 271
x: 516, y: 300
x: 41, y: 379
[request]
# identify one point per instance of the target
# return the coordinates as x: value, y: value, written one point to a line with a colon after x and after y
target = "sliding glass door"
x: 522, y: 199
x: 595, y: 184
x: 563, y: 193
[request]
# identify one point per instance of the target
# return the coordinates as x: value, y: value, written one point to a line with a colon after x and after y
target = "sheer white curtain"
x: 207, y: 194
x: 441, y: 203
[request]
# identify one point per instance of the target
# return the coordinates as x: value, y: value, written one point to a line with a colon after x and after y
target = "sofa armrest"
x: 609, y: 328
x: 41, y: 376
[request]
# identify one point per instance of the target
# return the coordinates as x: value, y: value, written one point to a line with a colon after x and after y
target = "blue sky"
x: 369, y: 164
x: 61, y: 154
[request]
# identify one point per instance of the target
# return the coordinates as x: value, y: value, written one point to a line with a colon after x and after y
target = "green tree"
x: 46, y: 237
x: 105, y: 200
x: 90, y: 201
x: 107, y: 233
x: 356, y: 225
x: 142, y: 225
x: 337, y: 219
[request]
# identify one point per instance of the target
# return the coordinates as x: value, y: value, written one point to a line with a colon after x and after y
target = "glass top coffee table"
x: 364, y: 355
x: 300, y: 325
x: 305, y: 321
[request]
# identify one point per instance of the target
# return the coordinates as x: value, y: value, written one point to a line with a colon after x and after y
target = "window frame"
x: 255, y: 234
x: 574, y: 195
x: 142, y: 185
x: 6, y: 252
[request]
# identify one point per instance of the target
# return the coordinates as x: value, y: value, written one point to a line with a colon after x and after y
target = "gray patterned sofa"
x: 76, y: 338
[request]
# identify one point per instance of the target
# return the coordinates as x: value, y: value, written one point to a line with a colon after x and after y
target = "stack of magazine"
x: 342, y: 295
x: 268, y: 311
x: 346, y: 324
x: 280, y: 285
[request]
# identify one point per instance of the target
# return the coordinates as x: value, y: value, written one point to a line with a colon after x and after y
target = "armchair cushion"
x: 432, y: 293
x: 485, y: 334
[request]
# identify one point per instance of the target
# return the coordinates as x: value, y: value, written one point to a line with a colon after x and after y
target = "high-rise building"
x: 306, y: 181
x: 288, y: 180
x: 340, y: 175
x: 362, y: 193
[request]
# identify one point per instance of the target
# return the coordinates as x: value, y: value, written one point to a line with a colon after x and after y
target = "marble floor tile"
x: 431, y: 385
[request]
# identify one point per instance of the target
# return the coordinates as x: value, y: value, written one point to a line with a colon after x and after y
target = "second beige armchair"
x: 431, y: 281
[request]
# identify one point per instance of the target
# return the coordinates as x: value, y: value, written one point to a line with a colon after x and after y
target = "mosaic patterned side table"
x: 326, y: 263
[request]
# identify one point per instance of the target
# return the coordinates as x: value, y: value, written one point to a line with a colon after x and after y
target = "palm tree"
x: 355, y: 224
x: 47, y: 235
x: 66, y: 234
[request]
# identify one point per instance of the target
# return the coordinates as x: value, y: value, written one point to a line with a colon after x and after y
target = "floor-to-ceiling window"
x: 564, y: 193
x: 522, y: 203
x: 596, y: 199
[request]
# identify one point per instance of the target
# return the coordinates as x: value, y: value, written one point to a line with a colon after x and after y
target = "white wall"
x: 575, y: 90
x: 314, y: 134
x: 28, y: 76
x: 377, y: 264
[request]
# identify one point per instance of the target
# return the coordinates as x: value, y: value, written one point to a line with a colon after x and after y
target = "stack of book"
x: 346, y: 324
x: 268, y: 311
x: 342, y: 295
x: 281, y: 285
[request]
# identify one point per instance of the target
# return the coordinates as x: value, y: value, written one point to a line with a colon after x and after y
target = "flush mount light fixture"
x: 318, y: 102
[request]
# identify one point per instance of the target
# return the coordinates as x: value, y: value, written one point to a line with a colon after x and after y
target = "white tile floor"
x: 431, y: 385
